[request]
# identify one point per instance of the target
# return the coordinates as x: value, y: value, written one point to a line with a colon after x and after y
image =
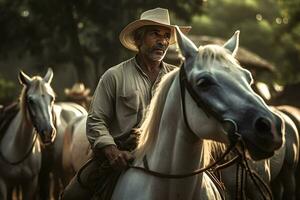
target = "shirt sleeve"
x: 101, y: 112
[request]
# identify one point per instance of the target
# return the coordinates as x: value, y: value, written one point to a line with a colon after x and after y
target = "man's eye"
x: 153, y: 33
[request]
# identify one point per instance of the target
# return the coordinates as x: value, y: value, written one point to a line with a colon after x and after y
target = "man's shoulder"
x: 119, y: 67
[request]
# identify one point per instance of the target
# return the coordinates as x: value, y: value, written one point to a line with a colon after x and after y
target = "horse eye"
x: 205, y: 82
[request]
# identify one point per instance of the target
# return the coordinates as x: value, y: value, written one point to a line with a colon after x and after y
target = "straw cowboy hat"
x: 157, y: 17
x: 78, y: 91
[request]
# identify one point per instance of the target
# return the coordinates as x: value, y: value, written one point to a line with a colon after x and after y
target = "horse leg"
x: 3, y: 190
x: 44, y: 185
x: 289, y: 185
x: 29, y: 189
x: 57, y: 187
x: 284, y: 186
x: 277, y: 189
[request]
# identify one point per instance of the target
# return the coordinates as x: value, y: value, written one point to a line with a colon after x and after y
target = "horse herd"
x: 206, y: 135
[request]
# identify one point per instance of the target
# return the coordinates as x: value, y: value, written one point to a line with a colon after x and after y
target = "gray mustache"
x: 159, y: 47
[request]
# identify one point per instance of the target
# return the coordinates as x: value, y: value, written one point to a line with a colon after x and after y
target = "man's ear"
x: 138, y: 43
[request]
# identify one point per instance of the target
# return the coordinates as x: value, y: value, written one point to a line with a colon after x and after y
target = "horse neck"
x: 18, y: 137
x: 176, y: 149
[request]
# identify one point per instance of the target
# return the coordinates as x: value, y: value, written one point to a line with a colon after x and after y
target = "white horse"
x: 52, y: 161
x: 76, y: 148
x: 20, y: 144
x: 217, y: 103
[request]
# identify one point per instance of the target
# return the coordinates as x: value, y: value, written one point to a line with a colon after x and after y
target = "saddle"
x: 98, y: 177
x: 7, y: 113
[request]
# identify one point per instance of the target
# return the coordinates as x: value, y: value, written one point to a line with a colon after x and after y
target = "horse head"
x: 222, y: 89
x: 37, y: 101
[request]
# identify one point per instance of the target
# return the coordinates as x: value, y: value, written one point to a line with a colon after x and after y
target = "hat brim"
x: 84, y: 93
x: 126, y: 35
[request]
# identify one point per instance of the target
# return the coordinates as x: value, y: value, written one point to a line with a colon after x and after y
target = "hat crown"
x: 159, y: 15
x: 78, y: 88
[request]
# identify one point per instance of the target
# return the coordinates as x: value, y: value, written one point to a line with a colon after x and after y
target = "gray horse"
x: 31, y: 128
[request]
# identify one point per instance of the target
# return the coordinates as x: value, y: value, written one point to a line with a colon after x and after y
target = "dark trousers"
x: 74, y: 191
x: 95, y: 180
x: 84, y: 183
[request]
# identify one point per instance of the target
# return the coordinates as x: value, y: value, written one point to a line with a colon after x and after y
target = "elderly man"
x: 124, y: 91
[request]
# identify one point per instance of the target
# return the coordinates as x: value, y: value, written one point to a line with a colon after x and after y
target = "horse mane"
x: 208, y: 56
x: 150, y: 125
x: 38, y: 84
x: 211, y: 54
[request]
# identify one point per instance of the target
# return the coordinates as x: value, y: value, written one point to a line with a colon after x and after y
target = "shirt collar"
x: 163, y: 68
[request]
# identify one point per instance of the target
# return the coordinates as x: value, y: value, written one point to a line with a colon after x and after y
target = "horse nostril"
x: 263, y: 125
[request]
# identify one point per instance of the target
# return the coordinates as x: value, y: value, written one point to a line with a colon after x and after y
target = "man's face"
x: 155, y: 42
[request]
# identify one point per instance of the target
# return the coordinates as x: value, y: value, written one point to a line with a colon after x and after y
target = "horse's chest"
x: 25, y: 170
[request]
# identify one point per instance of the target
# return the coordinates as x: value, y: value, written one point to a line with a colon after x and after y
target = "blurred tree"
x: 6, y: 88
x: 76, y: 31
x: 253, y: 17
x: 288, y: 36
x: 270, y: 28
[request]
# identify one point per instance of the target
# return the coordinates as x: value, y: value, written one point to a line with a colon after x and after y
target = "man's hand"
x: 130, y: 142
x: 117, y: 159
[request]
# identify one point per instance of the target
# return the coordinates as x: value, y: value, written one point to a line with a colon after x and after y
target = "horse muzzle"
x: 47, y: 135
x: 265, y: 138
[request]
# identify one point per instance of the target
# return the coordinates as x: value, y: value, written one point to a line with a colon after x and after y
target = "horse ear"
x: 233, y: 43
x: 186, y: 46
x: 49, y: 75
x: 24, y: 79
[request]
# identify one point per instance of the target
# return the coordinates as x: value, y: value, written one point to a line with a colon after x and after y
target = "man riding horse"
x: 121, y: 97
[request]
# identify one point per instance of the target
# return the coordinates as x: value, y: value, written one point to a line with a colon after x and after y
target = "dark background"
x: 79, y: 38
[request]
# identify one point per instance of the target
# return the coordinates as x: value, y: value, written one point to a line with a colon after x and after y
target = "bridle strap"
x: 243, y: 171
x: 184, y: 84
x: 265, y: 190
x: 25, y: 155
x: 184, y: 175
x: 31, y: 147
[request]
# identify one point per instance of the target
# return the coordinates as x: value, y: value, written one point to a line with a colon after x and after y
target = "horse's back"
x: 70, y: 110
x: 283, y: 184
x: 290, y: 116
x: 292, y: 112
x: 81, y: 150
x: 76, y: 150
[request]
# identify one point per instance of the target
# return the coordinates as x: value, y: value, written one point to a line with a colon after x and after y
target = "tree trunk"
x: 84, y: 70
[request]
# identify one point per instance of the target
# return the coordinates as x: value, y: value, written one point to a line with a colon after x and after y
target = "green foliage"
x: 269, y: 28
x: 59, y: 31
x: 7, y: 91
x: 288, y: 35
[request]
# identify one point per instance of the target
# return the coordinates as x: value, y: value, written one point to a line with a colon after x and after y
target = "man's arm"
x: 101, y: 113
x: 99, y: 118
